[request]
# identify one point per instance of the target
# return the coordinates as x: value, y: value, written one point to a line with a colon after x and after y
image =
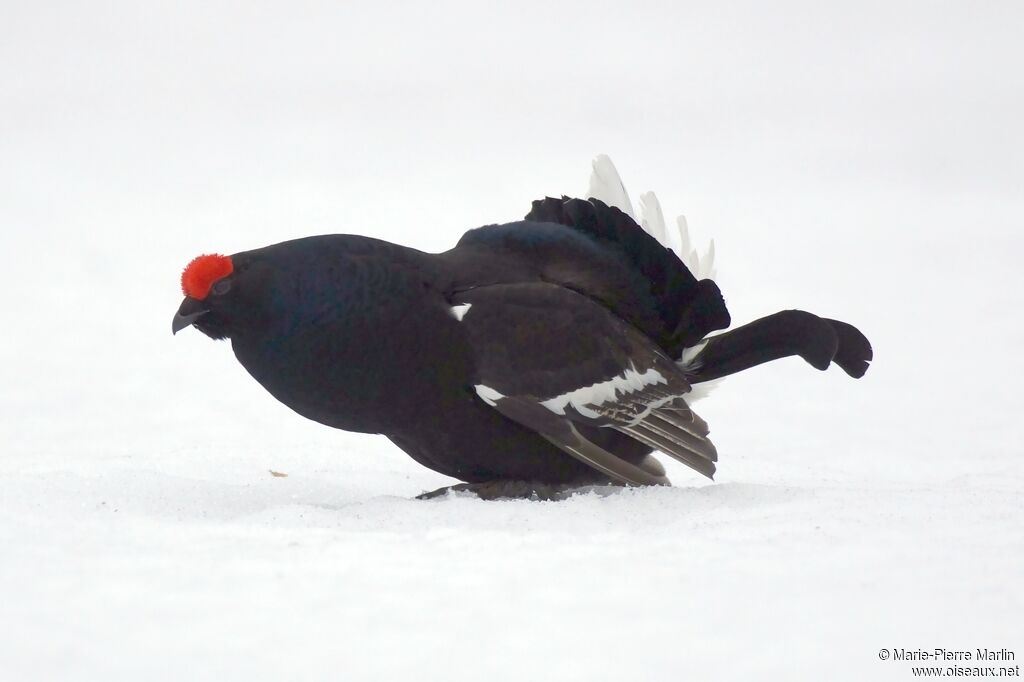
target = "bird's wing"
x: 552, y: 359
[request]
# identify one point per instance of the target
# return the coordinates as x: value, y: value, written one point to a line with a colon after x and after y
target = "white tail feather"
x: 700, y: 391
x: 606, y: 185
x: 686, y: 252
x: 651, y: 217
x: 708, y: 270
x: 702, y: 267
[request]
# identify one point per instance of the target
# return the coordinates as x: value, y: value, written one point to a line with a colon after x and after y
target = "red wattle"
x: 200, y: 274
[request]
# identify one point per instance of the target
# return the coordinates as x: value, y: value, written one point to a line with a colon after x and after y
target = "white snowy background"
x: 861, y: 160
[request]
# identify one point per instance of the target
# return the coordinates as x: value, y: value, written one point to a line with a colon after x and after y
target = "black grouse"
x: 538, y: 355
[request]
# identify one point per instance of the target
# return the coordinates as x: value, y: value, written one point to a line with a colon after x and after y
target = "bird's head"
x: 270, y: 291
x: 211, y: 284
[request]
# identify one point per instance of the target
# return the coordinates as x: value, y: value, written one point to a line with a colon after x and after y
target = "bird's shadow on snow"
x: 623, y: 508
x: 352, y: 503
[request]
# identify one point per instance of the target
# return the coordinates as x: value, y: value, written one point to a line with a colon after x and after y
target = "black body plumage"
x: 546, y: 350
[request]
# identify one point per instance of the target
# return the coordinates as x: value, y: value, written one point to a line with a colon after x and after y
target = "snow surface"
x: 859, y: 161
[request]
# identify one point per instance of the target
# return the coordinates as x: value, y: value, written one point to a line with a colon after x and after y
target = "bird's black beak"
x: 191, y: 310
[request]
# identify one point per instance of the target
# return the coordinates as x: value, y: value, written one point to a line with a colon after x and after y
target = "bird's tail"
x: 688, y: 309
x: 606, y: 185
x: 819, y: 341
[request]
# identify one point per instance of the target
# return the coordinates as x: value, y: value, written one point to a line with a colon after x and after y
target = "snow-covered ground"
x: 861, y: 162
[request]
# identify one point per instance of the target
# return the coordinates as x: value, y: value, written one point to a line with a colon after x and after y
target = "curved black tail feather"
x: 817, y: 340
x: 855, y: 353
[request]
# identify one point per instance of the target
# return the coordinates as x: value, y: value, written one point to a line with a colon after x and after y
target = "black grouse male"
x: 543, y: 354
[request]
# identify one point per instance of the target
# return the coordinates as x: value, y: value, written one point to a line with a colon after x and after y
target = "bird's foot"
x: 521, y: 490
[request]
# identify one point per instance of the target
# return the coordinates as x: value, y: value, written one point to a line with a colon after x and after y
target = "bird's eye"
x: 222, y: 287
